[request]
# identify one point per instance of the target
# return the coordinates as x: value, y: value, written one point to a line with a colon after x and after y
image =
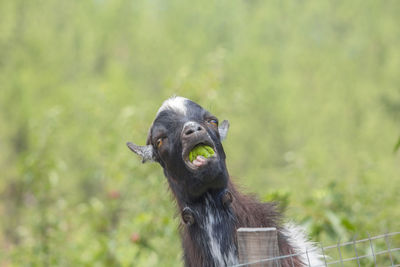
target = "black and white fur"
x: 210, y: 237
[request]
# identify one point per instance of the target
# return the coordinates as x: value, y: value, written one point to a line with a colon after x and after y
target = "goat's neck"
x: 210, y: 239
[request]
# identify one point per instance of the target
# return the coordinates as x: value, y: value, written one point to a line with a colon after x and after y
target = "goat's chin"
x: 206, y: 183
x: 210, y: 176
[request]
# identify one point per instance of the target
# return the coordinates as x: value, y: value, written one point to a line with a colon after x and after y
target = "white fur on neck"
x: 212, y: 220
x: 310, y: 254
x: 175, y: 103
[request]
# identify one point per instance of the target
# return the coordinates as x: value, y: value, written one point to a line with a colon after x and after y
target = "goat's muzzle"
x: 194, y: 134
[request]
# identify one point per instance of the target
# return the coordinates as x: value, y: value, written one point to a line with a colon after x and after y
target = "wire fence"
x: 381, y: 250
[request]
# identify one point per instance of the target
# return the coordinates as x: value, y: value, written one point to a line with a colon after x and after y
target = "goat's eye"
x: 213, y: 122
x: 159, y: 142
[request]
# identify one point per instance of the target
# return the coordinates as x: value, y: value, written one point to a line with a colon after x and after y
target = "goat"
x: 211, y: 207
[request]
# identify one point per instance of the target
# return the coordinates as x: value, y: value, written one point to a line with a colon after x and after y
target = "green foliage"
x: 311, y: 89
x: 329, y: 214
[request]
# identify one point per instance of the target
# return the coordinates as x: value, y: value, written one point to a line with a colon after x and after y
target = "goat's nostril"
x: 189, y: 132
x: 191, y: 128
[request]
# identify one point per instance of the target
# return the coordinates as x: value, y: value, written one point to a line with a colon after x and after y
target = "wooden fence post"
x: 255, y: 244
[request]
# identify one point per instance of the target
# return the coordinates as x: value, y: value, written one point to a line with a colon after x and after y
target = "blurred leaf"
x: 397, y: 146
x: 348, y: 224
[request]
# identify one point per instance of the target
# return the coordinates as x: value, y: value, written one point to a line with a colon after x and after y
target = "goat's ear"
x: 146, y: 152
x: 223, y: 129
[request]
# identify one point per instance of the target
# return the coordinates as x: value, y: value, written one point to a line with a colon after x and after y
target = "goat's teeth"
x: 199, y: 161
x: 201, y: 158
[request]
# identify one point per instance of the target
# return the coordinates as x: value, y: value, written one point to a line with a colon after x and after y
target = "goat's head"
x: 185, y: 140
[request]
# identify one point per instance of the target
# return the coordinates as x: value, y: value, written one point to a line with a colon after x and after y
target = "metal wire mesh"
x: 381, y: 250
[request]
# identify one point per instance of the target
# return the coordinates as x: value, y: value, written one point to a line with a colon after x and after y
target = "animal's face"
x: 185, y: 140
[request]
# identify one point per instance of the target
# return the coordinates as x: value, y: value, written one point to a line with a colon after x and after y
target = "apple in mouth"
x: 200, y: 154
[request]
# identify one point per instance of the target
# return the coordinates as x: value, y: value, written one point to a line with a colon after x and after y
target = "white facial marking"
x: 310, y: 253
x: 175, y: 103
x: 213, y: 219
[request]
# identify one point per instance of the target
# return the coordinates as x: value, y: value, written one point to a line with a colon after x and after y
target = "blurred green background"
x: 311, y: 89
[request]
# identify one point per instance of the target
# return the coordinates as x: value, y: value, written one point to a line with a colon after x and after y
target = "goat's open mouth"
x: 199, y: 155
